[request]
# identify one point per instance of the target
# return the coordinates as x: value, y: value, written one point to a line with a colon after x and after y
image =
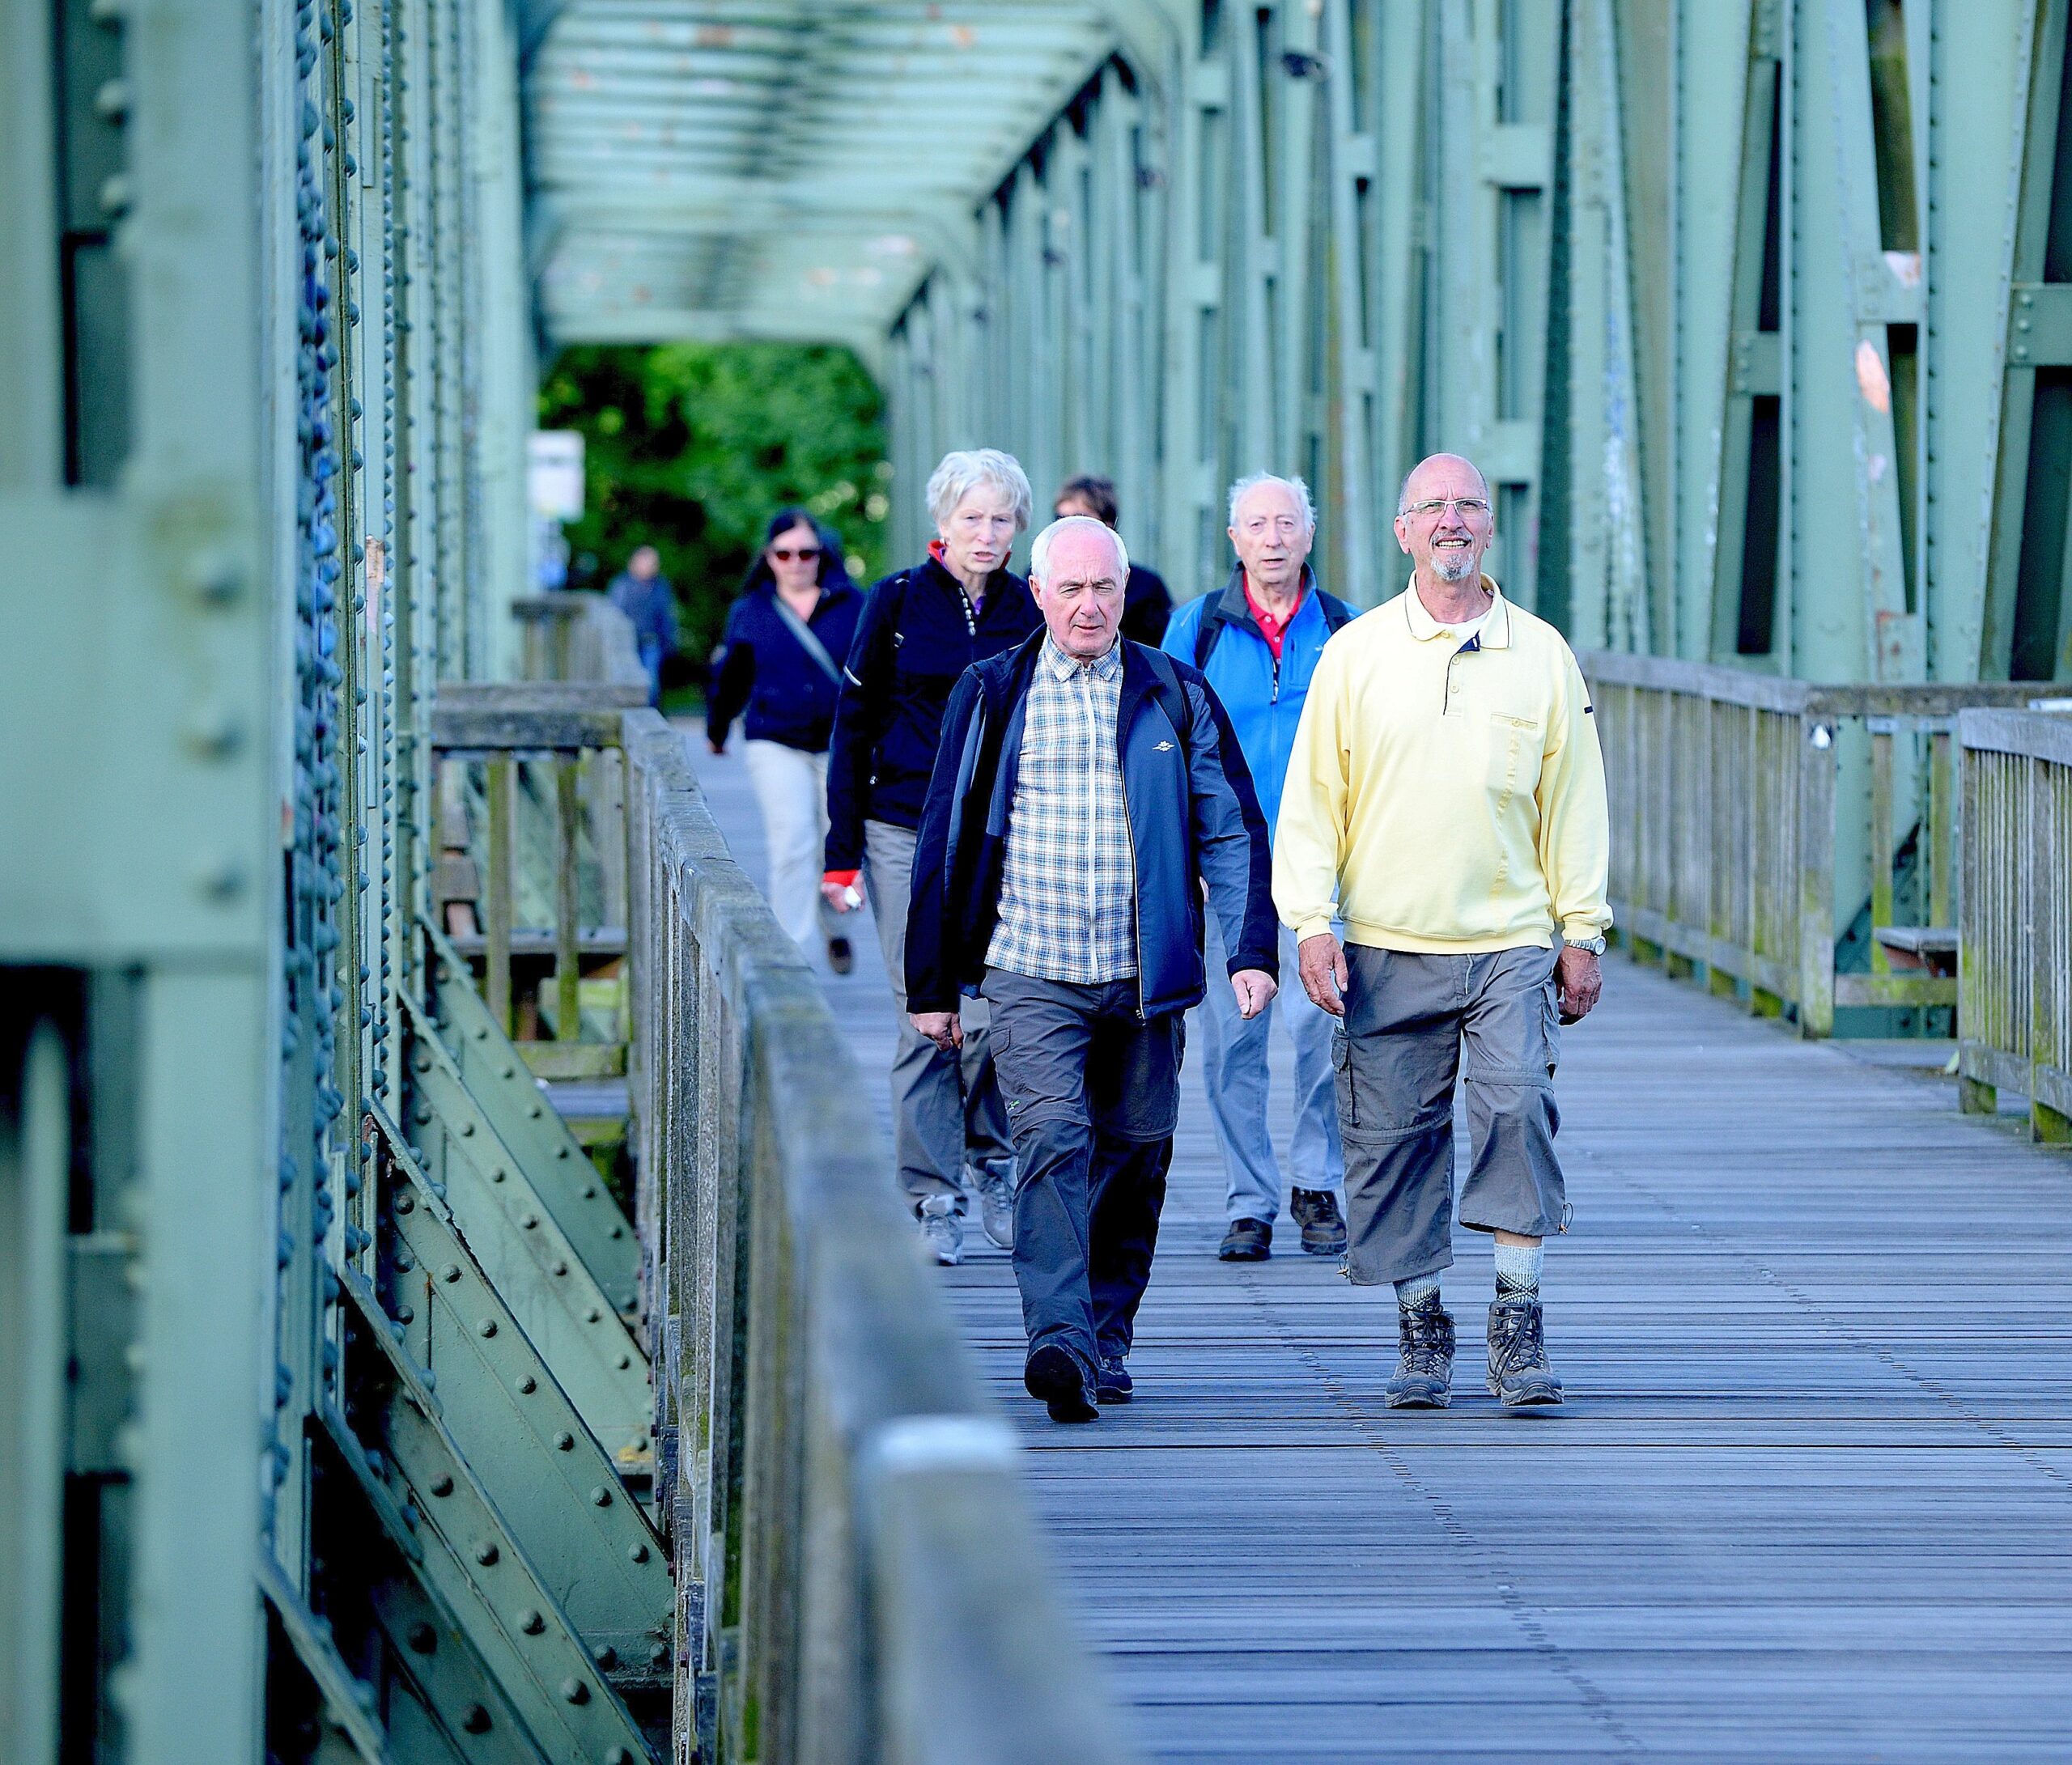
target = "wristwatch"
x: 1595, y: 946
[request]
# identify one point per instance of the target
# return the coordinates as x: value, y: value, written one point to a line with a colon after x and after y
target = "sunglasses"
x: 784, y: 554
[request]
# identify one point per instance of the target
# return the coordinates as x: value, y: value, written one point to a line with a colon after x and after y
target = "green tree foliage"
x: 691, y: 447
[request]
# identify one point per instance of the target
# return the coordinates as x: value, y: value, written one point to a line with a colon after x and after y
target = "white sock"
x: 1420, y: 1290
x: 1518, y: 1268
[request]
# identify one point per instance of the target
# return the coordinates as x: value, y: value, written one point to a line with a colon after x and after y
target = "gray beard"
x: 1452, y: 566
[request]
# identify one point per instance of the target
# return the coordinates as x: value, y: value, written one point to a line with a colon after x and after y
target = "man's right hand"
x: 1320, y: 959
x: 843, y: 889
x: 943, y: 1029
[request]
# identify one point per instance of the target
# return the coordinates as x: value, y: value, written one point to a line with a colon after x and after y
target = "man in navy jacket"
x: 1086, y: 790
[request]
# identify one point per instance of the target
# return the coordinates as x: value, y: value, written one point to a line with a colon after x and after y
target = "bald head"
x: 1444, y: 521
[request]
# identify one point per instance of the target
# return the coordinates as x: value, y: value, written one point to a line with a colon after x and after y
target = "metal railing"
x: 2014, y: 973
x: 859, y: 1576
x: 1725, y: 839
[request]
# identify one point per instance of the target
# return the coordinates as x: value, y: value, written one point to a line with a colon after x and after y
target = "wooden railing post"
x: 567, y: 970
x: 1816, y: 879
x: 503, y: 802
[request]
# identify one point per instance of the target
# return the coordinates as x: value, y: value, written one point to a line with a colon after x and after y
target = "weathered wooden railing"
x: 1727, y: 854
x: 531, y: 771
x: 858, y: 1576
x: 2014, y: 973
x: 576, y: 636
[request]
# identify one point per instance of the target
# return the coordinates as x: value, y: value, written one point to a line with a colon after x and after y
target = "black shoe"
x: 840, y: 957
x: 1247, y: 1240
x: 1424, y: 1358
x: 1112, y: 1383
x: 1519, y: 1375
x: 1055, y: 1374
x: 1323, y: 1227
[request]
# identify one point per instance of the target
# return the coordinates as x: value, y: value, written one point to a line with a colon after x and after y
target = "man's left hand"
x: 940, y: 1027
x: 1578, y: 980
x: 1254, y: 988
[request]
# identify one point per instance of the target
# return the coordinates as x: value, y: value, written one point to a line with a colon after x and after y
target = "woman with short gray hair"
x: 920, y: 628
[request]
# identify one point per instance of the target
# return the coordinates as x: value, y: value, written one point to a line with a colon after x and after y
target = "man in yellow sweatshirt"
x: 1445, y: 802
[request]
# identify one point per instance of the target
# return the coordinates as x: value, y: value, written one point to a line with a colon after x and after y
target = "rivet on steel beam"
x: 575, y: 1692
x: 405, y: 1314
x: 618, y: 1232
x: 421, y: 1114
x: 657, y: 1654
x: 467, y: 1129
x: 601, y: 1496
x: 423, y: 1063
x: 561, y: 1151
x: 482, y: 1032
x: 475, y: 1720
x: 605, y: 1655
x: 624, y: 1362
x: 557, y: 1268
x: 529, y: 1384
x: 528, y: 1221
x: 593, y: 1316
x: 450, y: 1274
x: 405, y: 1204
x: 638, y: 1552
x: 509, y: 1072
x: 442, y: 1485
x: 496, y: 1176
x: 422, y: 1637
x: 535, y: 1112
x: 487, y: 1553
x: 486, y: 1328
x: 564, y: 1442
x: 618, y: 1755
x: 530, y: 1622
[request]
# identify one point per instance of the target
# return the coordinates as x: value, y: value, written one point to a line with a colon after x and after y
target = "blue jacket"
x: 762, y: 668
x: 651, y: 606
x: 916, y: 635
x: 1192, y: 820
x: 1263, y: 695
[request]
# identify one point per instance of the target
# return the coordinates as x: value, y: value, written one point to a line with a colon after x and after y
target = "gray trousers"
x: 945, y: 1108
x: 1095, y: 1096
x: 1409, y: 1020
x: 1234, y: 1073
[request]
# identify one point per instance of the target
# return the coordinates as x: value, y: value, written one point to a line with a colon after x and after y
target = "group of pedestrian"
x: 1067, y: 805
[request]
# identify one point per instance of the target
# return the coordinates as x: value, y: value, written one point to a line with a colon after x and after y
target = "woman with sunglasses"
x: 778, y: 668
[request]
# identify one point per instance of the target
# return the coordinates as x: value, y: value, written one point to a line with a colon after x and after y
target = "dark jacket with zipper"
x: 918, y: 633
x: 1193, y: 820
x: 762, y: 669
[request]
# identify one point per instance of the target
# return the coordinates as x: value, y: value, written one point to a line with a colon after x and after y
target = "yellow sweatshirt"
x: 1448, y: 797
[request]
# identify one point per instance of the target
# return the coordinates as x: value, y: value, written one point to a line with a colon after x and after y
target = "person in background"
x: 921, y: 628
x: 645, y: 595
x: 778, y: 668
x: 1257, y: 641
x: 1147, y: 604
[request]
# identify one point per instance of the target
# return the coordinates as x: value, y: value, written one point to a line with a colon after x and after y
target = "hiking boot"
x: 1247, y: 1240
x: 1055, y: 1374
x: 941, y: 1230
x: 1519, y: 1375
x: 994, y: 1183
x: 840, y: 956
x: 1424, y: 1357
x: 1323, y: 1226
x: 1112, y: 1383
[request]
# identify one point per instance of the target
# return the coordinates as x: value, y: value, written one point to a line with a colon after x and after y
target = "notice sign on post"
x: 554, y: 473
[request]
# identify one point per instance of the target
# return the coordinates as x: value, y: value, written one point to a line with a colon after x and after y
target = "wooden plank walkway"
x: 1811, y: 1497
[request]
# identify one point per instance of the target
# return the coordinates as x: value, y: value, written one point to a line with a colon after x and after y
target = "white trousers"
x: 791, y: 787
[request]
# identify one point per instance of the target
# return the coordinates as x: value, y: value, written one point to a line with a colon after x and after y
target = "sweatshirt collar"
x: 1495, y: 635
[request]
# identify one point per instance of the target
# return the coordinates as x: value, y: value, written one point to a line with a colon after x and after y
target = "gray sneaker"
x: 1519, y: 1375
x: 994, y: 1183
x: 941, y: 1230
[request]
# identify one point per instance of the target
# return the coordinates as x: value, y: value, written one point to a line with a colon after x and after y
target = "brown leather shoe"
x: 1247, y: 1240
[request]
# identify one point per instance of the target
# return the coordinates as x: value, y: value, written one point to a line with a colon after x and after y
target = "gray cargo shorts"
x: 1409, y: 1020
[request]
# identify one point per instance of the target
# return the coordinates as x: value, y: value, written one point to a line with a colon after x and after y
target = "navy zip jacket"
x: 917, y: 635
x: 1192, y: 820
x: 762, y: 669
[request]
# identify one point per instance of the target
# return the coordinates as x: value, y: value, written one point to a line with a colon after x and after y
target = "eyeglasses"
x: 784, y: 554
x: 1469, y: 506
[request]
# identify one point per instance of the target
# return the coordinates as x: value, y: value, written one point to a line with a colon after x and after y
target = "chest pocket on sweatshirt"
x: 1515, y: 747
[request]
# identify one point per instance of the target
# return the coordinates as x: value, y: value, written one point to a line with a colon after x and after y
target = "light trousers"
x: 791, y: 787
x: 946, y: 1109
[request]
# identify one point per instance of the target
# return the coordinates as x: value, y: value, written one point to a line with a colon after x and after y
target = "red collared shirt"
x: 1274, y: 630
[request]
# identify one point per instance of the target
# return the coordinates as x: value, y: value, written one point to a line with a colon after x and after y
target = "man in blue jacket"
x: 1257, y: 641
x: 1086, y: 791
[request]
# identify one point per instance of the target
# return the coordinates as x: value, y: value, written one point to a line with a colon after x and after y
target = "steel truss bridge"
x: 452, y: 1305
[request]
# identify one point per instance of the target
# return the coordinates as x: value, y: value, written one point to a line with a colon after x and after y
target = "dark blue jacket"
x: 651, y: 606
x: 916, y: 637
x: 762, y: 668
x: 1192, y: 820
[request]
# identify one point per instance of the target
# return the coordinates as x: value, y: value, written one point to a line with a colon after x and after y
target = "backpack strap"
x: 1167, y: 689
x: 1337, y: 615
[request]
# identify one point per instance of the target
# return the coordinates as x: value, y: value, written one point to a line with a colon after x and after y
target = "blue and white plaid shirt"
x: 1068, y: 906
